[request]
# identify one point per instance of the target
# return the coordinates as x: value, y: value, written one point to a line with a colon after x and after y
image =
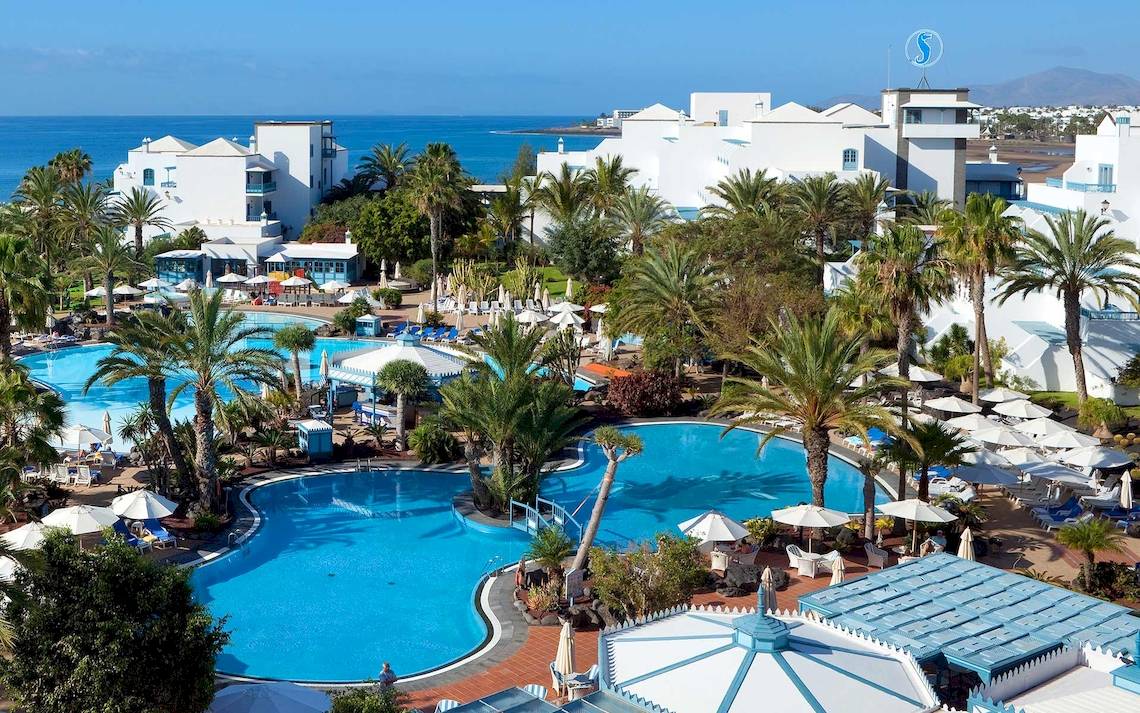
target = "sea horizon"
x: 486, y: 144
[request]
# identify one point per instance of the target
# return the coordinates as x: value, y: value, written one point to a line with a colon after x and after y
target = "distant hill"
x: 1052, y: 87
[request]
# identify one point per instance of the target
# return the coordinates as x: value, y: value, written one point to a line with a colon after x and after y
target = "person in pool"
x: 388, y: 677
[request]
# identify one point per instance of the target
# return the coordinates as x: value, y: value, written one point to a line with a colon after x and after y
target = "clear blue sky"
x: 507, y: 57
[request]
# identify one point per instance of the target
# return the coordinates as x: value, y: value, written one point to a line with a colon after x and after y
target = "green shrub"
x: 345, y: 320
x: 391, y: 297
x: 370, y: 700
x: 433, y: 443
x: 433, y: 319
x: 207, y: 522
x: 1095, y: 412
x: 761, y: 530
x: 645, y: 393
x: 544, y: 598
x: 641, y: 581
x: 420, y: 271
x: 845, y: 539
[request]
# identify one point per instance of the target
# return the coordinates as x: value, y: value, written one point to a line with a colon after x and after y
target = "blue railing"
x: 1110, y: 315
x: 259, y: 188
x: 1082, y: 187
x: 256, y: 217
x: 544, y: 513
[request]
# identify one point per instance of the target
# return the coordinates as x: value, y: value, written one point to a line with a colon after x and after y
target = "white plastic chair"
x: 536, y: 690
x: 83, y: 475
x: 795, y: 555
x: 827, y: 562
x: 875, y: 556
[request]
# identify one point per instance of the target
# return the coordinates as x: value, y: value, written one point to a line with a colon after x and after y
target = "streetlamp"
x: 1104, y: 206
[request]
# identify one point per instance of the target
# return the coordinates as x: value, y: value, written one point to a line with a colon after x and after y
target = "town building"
x: 995, y: 178
x: 248, y: 256
x: 268, y: 188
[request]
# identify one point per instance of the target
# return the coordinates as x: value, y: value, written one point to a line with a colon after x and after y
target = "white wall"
x: 213, y: 186
x: 741, y: 106
x: 295, y: 151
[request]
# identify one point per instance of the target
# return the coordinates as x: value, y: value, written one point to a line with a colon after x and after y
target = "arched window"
x: 148, y: 176
x: 850, y: 160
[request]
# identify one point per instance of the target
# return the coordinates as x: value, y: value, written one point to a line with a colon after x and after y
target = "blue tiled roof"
x: 975, y: 616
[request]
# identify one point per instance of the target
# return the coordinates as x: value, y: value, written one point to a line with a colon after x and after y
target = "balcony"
x: 260, y: 189
x: 1081, y: 187
x: 328, y: 152
x: 169, y: 184
x: 256, y: 217
x: 1109, y: 314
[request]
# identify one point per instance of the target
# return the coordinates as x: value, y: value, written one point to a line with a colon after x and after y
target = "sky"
x: 506, y: 57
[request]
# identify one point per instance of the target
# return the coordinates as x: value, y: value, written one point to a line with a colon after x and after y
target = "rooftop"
x: 219, y: 147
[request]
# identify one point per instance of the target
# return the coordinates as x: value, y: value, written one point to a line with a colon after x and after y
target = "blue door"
x: 1104, y: 174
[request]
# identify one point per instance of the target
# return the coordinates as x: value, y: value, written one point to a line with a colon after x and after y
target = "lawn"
x: 1068, y: 399
x: 553, y: 280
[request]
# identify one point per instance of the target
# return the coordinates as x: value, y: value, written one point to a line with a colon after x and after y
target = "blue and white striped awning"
x: 352, y: 377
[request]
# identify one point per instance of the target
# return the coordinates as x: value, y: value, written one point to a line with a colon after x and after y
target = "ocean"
x: 481, y: 142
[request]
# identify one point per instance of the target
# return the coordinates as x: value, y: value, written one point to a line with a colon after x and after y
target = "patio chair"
x: 536, y: 690
x: 83, y: 475
x: 120, y: 529
x: 484, y: 307
x: 1103, y: 499
x: 580, y: 681
x: 495, y: 306
x: 518, y: 306
x: 556, y: 680
x: 531, y: 305
x: 161, y: 534
x: 875, y: 556
x: 795, y: 554
x: 446, y: 704
x: 1053, y: 523
x: 827, y: 562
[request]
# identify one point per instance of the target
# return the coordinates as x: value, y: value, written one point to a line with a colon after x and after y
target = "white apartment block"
x: 917, y: 143
x: 268, y: 188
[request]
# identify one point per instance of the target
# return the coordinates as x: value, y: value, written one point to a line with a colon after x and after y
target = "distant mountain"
x: 1053, y: 87
x: 1059, y: 86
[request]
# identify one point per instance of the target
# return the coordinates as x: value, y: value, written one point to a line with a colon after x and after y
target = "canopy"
x: 259, y: 280
x: 917, y: 373
x: 154, y: 283
x: 838, y: 569
x: 276, y: 697
x: 952, y: 404
x: 164, y: 297
x: 916, y: 510
x: 984, y: 456
x: 713, y: 526
x: 8, y: 569
x: 353, y: 295
x: 296, y: 281
x: 985, y: 474
x: 1001, y: 395
x: 1067, y: 439
x: 81, y: 437
x: 566, y: 320
x: 334, y: 286
x: 81, y: 519
x: 99, y: 291
x: 1022, y: 408
x: 966, y: 545
x: 566, y: 307
x: 126, y: 291
x: 187, y: 284
x: 529, y: 316
x: 810, y: 516
x: 1055, y: 472
x: 599, y: 308
x: 1001, y: 436
x: 143, y: 505
x: 970, y: 422
x: 564, y: 658
x: 1042, y: 427
x: 1096, y: 457
x: 437, y: 362
x: 1022, y: 456
x: 25, y: 537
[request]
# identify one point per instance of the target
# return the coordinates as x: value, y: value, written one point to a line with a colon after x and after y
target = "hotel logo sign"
x: 924, y: 48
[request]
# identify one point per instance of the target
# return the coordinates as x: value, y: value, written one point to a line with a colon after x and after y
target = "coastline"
x: 569, y: 130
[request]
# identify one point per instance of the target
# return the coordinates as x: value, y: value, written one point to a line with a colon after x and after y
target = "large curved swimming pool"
x: 350, y: 570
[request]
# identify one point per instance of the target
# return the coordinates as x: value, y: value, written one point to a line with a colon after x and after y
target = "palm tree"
x: 408, y: 381
x: 1080, y: 255
x: 30, y: 418
x: 1090, y: 537
x: 923, y: 209
x: 385, y: 163
x: 437, y: 184
x: 549, y: 548
x: 564, y: 197
x: 72, y: 165
x: 140, y: 208
x: 669, y: 290
x: 617, y: 447
x: 861, y: 310
x: 295, y: 338
x: 978, y: 241
x: 743, y: 193
x: 606, y: 182
x: 865, y: 198
x: 869, y: 468
x: 820, y: 203
x: 109, y: 257
x: 640, y: 215
x: 911, y: 274
x: 271, y: 440
x: 24, y: 284
x: 506, y: 211
x: 213, y: 354
x: 806, y: 372
x: 140, y: 351
x: 38, y: 198
x: 84, y: 208
x: 932, y: 444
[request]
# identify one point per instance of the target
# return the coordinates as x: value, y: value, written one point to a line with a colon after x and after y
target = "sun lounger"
x: 473, y: 308
x: 495, y: 306
x: 451, y: 335
x: 83, y: 475
x: 484, y: 307
x: 121, y: 530
x: 162, y: 536
x: 1054, y: 523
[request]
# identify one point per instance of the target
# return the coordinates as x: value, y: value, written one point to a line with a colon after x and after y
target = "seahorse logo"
x: 924, y: 48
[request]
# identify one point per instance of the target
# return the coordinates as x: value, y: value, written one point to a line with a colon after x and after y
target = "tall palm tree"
x: 820, y: 203
x: 617, y: 447
x: 24, y: 284
x: 923, y: 209
x: 671, y: 289
x: 606, y: 181
x: 30, y: 417
x: 507, y: 210
x: 931, y: 444
x: 978, y: 241
x: 213, y: 354
x: 39, y: 197
x: 385, y: 163
x: 745, y: 192
x: 140, y: 350
x: 865, y: 195
x: 564, y: 197
x: 437, y: 183
x: 912, y: 274
x: 109, y: 257
x: 1090, y: 537
x: 295, y: 338
x: 1081, y: 254
x: 861, y: 310
x: 805, y: 372
x: 408, y: 381
x: 138, y: 209
x: 72, y: 165
x: 84, y: 208
x: 640, y: 215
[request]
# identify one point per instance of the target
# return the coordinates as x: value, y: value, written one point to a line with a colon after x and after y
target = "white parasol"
x: 952, y: 404
x: 143, y: 505
x: 1001, y: 395
x: 1022, y: 408
x: 81, y: 519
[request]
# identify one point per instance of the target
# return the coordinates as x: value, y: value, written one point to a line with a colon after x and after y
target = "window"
x: 722, y: 117
x: 148, y: 176
x: 850, y: 160
x: 1124, y: 120
x: 310, y: 150
x: 912, y: 116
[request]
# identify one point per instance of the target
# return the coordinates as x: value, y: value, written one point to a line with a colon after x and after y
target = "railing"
x: 1082, y: 187
x: 259, y: 188
x: 254, y: 218
x: 170, y: 184
x: 544, y: 513
x: 1110, y: 315
x: 328, y: 152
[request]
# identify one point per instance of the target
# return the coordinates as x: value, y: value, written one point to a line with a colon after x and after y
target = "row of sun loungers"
x: 435, y: 334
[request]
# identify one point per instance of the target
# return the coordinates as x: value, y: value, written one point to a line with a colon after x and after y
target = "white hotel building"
x: 248, y: 199
x: 918, y: 143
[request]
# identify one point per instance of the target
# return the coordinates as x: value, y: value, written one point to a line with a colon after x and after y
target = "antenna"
x: 888, y: 66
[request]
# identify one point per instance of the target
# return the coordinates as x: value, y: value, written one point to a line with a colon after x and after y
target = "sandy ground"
x: 1039, y: 160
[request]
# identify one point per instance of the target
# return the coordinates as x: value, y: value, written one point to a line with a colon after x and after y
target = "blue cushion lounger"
x: 451, y: 335
x: 155, y: 527
x: 398, y: 329
x: 120, y: 529
x: 413, y: 330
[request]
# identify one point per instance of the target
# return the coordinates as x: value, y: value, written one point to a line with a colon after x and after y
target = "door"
x: 1104, y: 175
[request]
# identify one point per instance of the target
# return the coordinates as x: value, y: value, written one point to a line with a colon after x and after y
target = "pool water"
x: 351, y: 570
x: 275, y: 320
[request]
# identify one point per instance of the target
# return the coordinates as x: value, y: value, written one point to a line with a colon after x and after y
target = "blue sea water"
x: 350, y: 570
x: 482, y: 146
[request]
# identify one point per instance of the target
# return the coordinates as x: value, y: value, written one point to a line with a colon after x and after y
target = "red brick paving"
x: 531, y: 663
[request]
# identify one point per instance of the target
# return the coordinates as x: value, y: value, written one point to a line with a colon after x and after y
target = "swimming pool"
x: 350, y: 570
x: 275, y: 320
